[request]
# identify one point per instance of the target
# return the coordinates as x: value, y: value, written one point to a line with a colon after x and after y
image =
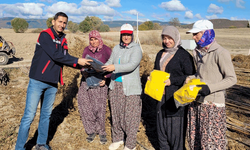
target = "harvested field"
x: 66, y: 129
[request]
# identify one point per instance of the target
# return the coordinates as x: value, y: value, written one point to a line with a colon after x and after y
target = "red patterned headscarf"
x: 95, y: 34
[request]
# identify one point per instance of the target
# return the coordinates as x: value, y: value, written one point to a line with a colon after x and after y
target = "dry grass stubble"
x: 66, y: 129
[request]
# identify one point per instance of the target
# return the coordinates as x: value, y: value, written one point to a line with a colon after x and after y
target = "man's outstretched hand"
x: 83, y: 61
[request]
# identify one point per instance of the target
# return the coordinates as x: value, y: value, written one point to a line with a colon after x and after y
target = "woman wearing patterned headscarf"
x: 92, y: 101
x: 206, y: 115
x: 175, y: 60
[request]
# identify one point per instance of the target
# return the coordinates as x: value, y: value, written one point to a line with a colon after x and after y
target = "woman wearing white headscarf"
x: 175, y: 60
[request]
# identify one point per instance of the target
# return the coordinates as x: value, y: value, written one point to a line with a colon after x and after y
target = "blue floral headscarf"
x: 207, y: 38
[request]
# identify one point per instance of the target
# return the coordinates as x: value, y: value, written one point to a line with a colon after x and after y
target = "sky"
x: 187, y: 11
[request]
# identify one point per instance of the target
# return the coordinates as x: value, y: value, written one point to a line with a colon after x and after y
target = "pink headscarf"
x: 95, y: 34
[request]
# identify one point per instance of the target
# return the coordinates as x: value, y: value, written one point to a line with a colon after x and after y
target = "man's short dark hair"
x: 60, y: 14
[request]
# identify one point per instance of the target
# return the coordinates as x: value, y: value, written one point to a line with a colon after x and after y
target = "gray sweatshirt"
x: 130, y: 58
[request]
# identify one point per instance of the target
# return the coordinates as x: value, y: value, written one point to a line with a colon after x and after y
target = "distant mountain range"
x: 33, y: 23
x: 224, y: 23
x: 113, y: 24
x: 41, y: 23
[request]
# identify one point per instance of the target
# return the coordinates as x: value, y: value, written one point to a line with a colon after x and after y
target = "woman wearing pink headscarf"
x: 92, y: 100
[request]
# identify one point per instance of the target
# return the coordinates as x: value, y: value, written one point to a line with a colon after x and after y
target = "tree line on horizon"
x: 20, y: 25
x: 90, y: 23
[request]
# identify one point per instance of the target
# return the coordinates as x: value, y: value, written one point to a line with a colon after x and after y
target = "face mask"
x: 207, y: 38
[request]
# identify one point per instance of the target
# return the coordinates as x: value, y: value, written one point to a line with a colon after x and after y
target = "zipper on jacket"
x: 45, y: 67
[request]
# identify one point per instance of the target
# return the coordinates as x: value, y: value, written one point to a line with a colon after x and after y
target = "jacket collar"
x: 55, y: 34
x: 213, y: 46
x: 132, y: 44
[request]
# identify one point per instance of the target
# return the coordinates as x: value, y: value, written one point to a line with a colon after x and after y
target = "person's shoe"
x: 40, y: 147
x: 91, y: 137
x: 103, y: 139
x: 115, y: 145
x: 126, y: 148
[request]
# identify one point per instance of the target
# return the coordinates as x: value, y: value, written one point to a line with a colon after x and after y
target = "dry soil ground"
x: 66, y: 129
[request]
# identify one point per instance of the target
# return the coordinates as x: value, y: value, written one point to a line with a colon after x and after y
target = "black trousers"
x: 171, y: 130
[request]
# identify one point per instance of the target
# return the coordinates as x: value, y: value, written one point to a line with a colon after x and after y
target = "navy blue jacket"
x: 51, y: 54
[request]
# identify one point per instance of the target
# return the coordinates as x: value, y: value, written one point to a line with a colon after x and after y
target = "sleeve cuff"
x: 75, y: 64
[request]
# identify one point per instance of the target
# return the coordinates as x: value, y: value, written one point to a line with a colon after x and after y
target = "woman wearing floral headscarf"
x: 175, y: 60
x: 206, y: 115
x: 92, y: 101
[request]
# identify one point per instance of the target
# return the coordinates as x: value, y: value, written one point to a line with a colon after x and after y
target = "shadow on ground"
x: 149, y: 114
x: 14, y: 59
x: 60, y: 112
x: 237, y: 91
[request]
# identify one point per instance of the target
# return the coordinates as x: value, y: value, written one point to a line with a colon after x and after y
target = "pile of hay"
x: 241, y: 61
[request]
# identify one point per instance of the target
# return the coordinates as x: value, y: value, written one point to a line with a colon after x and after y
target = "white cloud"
x: 198, y: 16
x: 76, y: 18
x: 76, y: 12
x: 49, y: 15
x: 31, y: 8
x: 89, y: 3
x: 68, y: 8
x: 157, y: 16
x: 83, y: 10
x: 22, y: 9
x: 98, y: 10
x: 32, y: 17
x: 161, y: 17
x: 113, y: 3
x: 240, y: 3
x: 173, y: 5
x: 108, y: 18
x: 189, y: 15
x: 187, y: 22
x: 177, y: 14
x: 8, y: 10
x: 215, y: 9
x: 212, y: 17
x: 133, y: 12
x: 233, y: 18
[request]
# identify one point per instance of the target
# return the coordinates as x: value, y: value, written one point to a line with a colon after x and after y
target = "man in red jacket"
x: 51, y: 54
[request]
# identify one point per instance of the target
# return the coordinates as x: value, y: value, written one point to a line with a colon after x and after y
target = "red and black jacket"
x: 51, y: 54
